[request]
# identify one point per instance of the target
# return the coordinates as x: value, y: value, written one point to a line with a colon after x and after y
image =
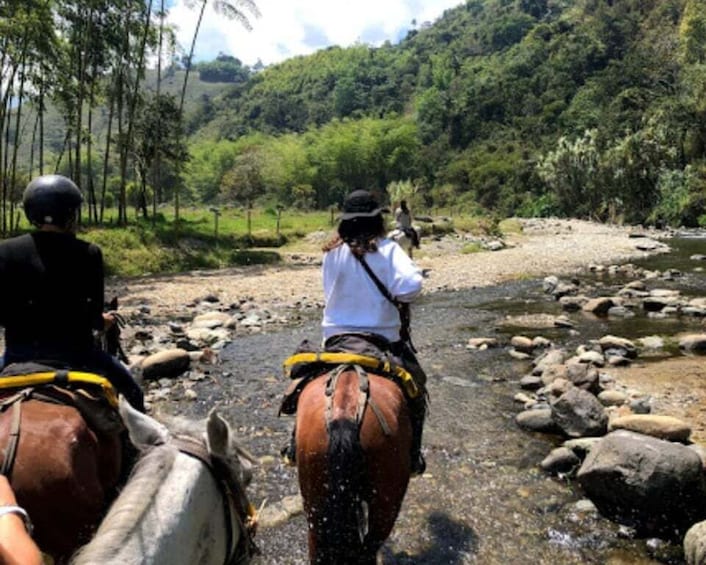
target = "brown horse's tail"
x: 345, y: 524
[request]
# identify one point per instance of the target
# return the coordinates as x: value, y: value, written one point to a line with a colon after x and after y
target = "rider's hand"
x: 109, y: 321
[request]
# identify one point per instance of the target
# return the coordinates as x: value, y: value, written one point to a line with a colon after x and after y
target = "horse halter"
x: 240, y: 513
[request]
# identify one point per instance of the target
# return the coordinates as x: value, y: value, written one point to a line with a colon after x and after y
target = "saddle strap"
x: 14, y: 437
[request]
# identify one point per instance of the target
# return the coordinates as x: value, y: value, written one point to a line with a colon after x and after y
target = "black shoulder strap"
x: 402, y: 307
x: 378, y: 283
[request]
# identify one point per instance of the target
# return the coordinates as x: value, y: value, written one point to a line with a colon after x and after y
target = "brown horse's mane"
x: 135, y: 499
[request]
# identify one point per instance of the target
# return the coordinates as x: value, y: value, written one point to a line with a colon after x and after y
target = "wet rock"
x: 564, y: 289
x: 621, y: 312
x: 560, y: 460
x: 641, y: 405
x: 608, y: 342
x: 591, y: 357
x: 522, y: 344
x: 166, y: 364
x: 599, y: 306
x: 573, y: 303
x: 212, y: 320
x: 482, y: 343
x: 693, y: 343
x: 584, y: 376
x: 578, y: 413
x: 641, y: 479
x: 612, y: 398
x: 537, y: 420
x: 550, y: 283
x: 552, y: 372
x: 519, y: 355
x: 662, y: 427
x: 563, y: 322
x: 581, y: 445
x: 554, y: 356
x: 531, y: 382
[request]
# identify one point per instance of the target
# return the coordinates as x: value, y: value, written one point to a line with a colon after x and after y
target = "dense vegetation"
x: 592, y: 108
x: 585, y: 107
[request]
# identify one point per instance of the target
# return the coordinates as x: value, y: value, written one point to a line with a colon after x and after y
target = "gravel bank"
x: 542, y: 247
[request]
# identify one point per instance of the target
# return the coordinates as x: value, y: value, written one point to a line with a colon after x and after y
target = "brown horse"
x: 353, y: 437
x: 63, y: 472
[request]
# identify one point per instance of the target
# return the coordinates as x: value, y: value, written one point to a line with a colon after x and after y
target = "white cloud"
x: 286, y: 29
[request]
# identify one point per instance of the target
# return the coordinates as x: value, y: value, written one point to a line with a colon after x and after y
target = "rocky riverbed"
x: 491, y: 502
x: 218, y: 338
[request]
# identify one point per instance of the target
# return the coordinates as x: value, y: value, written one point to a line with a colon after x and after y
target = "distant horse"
x: 353, y: 437
x: 403, y: 240
x: 63, y: 466
x: 185, y: 502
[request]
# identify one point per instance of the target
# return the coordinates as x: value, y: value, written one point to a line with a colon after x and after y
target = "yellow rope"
x: 356, y: 359
x: 50, y: 377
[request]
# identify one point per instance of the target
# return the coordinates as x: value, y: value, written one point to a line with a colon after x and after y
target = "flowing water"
x: 483, y: 499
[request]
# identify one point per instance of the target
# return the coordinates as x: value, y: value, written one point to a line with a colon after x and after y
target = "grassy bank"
x: 205, y: 240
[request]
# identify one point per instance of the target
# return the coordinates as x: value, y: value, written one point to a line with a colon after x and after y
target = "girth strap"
x: 15, y: 401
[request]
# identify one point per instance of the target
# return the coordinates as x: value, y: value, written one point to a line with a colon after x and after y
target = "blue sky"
x: 300, y: 27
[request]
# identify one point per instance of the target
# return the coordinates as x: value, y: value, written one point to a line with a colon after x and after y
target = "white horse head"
x: 173, y: 508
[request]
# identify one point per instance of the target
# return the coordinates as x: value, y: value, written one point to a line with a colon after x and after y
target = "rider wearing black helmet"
x: 51, y: 289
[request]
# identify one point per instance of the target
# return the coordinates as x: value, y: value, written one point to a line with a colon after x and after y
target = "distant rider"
x: 51, y: 290
x: 403, y: 222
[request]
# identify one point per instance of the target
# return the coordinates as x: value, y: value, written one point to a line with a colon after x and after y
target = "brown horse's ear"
x: 218, y: 433
x: 144, y: 431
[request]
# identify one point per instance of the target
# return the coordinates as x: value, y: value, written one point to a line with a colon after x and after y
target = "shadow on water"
x: 452, y: 543
x: 483, y: 499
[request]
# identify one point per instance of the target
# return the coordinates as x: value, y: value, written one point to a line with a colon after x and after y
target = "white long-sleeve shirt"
x: 353, y: 303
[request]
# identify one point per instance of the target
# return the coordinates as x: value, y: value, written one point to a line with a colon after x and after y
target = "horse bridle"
x: 236, y: 506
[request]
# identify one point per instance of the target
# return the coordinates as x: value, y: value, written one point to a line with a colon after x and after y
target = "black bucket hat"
x: 361, y: 204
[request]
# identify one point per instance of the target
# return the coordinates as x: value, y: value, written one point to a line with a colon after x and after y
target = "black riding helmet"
x: 51, y: 199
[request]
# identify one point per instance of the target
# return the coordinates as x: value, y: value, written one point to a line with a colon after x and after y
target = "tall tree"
x: 233, y: 10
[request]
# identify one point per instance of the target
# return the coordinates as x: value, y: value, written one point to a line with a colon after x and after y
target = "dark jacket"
x: 51, y: 291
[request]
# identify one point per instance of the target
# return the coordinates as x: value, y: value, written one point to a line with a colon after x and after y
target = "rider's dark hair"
x: 359, y: 233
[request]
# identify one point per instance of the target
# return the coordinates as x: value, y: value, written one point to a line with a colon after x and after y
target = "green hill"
x: 507, y: 98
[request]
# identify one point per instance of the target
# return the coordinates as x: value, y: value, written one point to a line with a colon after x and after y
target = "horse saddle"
x: 92, y: 395
x: 368, y: 351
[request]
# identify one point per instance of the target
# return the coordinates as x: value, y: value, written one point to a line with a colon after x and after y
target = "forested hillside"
x: 591, y: 108
x: 588, y: 107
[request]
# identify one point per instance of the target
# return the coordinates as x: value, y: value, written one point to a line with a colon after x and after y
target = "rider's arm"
x: 16, y: 544
x: 407, y: 277
x: 96, y: 288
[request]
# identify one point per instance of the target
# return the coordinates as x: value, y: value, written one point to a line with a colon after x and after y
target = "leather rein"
x: 240, y: 514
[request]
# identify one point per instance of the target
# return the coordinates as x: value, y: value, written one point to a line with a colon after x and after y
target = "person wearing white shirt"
x: 354, y: 303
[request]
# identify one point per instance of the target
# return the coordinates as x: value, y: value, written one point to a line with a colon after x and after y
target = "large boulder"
x: 652, y: 484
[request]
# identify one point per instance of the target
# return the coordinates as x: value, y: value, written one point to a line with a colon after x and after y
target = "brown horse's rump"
x: 64, y: 472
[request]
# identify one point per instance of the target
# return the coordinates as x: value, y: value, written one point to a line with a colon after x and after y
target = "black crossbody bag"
x: 402, y: 307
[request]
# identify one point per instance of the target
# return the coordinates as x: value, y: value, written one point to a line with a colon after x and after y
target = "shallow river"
x: 483, y: 499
